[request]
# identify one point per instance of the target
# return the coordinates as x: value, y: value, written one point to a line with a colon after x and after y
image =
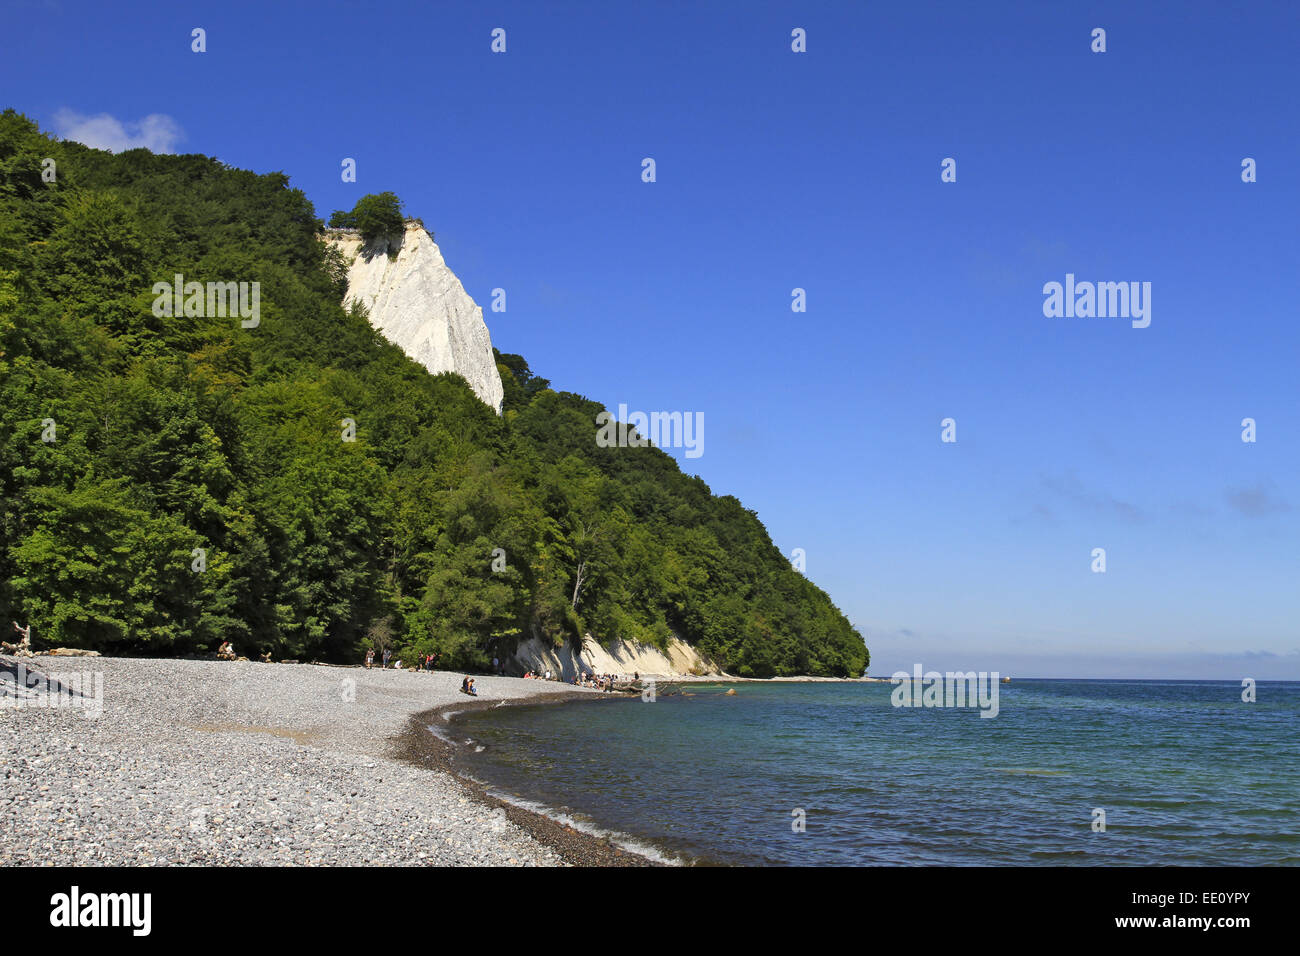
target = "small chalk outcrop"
x: 618, y: 657
x: 418, y: 304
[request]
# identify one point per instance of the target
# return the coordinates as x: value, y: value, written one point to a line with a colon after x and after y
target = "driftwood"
x: 24, y: 647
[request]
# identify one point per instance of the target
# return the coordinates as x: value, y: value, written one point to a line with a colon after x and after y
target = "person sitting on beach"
x: 226, y: 652
x: 467, y: 687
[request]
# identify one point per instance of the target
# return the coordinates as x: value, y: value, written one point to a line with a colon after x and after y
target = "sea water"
x: 1182, y: 772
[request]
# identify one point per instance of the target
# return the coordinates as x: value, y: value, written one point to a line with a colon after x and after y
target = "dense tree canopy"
x: 375, y: 216
x: 167, y: 483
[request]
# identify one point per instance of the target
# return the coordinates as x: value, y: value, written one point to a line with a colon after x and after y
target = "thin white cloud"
x: 157, y: 132
x: 1257, y: 501
x: 1070, y: 489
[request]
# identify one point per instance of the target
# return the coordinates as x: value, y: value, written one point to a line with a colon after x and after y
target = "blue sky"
x: 821, y: 170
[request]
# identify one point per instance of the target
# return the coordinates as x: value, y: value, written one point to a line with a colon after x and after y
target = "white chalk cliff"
x: 619, y: 657
x: 417, y: 303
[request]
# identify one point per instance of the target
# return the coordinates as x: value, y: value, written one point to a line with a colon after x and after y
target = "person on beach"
x: 467, y: 687
x: 370, y: 658
x: 387, y: 656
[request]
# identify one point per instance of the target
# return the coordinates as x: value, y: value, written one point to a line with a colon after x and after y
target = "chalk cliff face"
x: 620, y: 657
x: 417, y: 303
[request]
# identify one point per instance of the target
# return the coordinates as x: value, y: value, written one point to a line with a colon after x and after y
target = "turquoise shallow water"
x: 1186, y: 772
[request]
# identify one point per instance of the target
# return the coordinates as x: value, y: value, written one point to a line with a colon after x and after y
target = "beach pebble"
x: 239, y: 763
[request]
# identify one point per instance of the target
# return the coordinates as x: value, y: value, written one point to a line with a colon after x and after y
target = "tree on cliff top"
x: 375, y: 215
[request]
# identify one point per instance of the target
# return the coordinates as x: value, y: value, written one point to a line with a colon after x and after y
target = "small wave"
x: 1031, y: 771
x: 619, y: 839
x: 442, y: 735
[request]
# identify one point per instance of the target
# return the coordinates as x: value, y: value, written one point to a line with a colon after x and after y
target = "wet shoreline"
x: 418, y: 745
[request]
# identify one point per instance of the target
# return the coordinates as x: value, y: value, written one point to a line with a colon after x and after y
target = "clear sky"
x: 820, y: 170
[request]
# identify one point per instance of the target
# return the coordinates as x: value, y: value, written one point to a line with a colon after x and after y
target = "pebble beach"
x: 196, y: 762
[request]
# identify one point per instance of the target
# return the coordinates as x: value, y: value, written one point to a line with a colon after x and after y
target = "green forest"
x: 170, y: 482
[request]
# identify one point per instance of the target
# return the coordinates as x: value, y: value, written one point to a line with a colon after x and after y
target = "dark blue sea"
x: 1185, y: 772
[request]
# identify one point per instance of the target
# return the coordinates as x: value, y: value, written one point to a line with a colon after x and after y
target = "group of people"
x: 605, y: 682
x: 425, y: 663
x: 428, y: 662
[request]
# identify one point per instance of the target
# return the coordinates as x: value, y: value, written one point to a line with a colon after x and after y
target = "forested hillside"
x: 170, y: 482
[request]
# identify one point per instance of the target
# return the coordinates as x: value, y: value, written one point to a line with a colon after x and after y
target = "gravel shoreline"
x: 419, y: 746
x: 241, y: 763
